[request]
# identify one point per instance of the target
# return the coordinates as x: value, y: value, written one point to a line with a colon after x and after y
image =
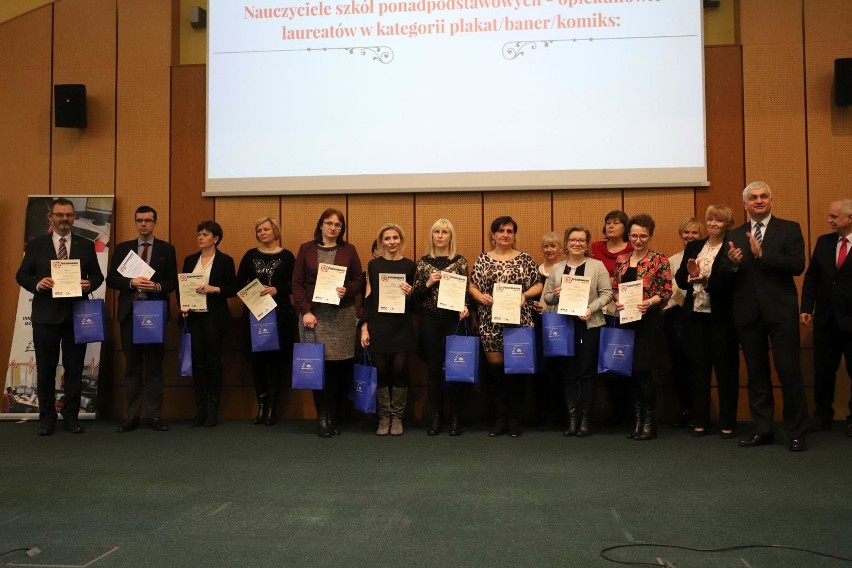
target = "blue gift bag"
x: 557, y: 335
x: 149, y: 321
x: 364, y: 385
x: 461, y: 357
x: 89, y: 321
x: 519, y: 350
x: 185, y: 352
x: 308, y: 364
x: 616, y: 351
x: 264, y: 333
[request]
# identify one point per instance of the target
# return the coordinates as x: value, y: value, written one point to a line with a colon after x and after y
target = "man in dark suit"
x: 765, y: 254
x: 52, y: 318
x: 827, y: 302
x: 143, y: 363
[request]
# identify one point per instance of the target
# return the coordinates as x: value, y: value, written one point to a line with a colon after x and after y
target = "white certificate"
x: 133, y: 267
x: 66, y: 278
x: 189, y: 298
x: 451, y: 291
x: 574, y: 295
x: 258, y: 305
x: 330, y: 277
x: 391, y: 296
x: 630, y: 294
x: 507, y: 303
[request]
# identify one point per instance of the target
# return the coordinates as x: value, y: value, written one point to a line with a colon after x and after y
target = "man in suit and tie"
x: 52, y: 319
x: 765, y: 254
x: 827, y: 302
x: 143, y: 362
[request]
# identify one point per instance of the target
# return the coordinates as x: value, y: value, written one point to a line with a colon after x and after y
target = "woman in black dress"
x: 387, y: 333
x: 273, y: 267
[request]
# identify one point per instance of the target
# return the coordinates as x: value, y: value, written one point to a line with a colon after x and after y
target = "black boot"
x: 515, y: 387
x: 262, y: 409
x: 637, y: 420
x: 497, y: 393
x: 212, y: 413
x: 585, y: 428
x: 435, y: 424
x: 573, y: 419
x: 272, y: 411
x: 200, y: 393
x: 323, y: 429
x: 649, y: 426
x: 455, y: 425
x: 455, y: 410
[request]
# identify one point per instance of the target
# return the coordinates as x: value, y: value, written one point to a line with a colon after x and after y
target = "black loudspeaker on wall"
x: 69, y: 105
x: 843, y: 81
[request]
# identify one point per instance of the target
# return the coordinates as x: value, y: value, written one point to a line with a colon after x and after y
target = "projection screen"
x: 364, y: 96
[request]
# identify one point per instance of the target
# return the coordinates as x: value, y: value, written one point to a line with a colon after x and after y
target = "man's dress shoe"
x: 797, y: 445
x: 159, y: 425
x: 128, y: 425
x: 71, y: 425
x: 755, y: 439
x: 47, y: 429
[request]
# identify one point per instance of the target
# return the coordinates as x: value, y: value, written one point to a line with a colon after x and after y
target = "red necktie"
x: 145, y: 247
x: 841, y: 255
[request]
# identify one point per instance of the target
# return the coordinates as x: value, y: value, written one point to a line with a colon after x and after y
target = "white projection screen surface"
x: 368, y: 96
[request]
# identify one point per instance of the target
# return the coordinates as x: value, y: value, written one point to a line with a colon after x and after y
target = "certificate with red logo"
x: 66, y: 278
x: 330, y: 277
x: 507, y: 303
x: 391, y: 296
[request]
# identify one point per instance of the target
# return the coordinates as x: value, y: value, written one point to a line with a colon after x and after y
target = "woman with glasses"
x: 334, y: 324
x: 272, y: 266
x: 578, y: 372
x: 652, y: 269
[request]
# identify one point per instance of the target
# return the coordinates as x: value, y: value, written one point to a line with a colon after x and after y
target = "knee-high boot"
x: 496, y: 380
x: 262, y: 409
x: 200, y: 391
x: 515, y: 388
x: 383, y: 411
x: 572, y: 417
x: 455, y: 409
x: 399, y: 396
x: 212, y: 409
x: 321, y: 404
x: 648, y: 430
x: 272, y: 410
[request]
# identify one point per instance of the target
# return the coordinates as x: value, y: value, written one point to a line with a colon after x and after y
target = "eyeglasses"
x: 332, y: 225
x: 640, y: 237
x: 576, y: 241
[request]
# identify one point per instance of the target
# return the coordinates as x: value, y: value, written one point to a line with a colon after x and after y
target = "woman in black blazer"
x: 207, y: 327
x: 712, y: 335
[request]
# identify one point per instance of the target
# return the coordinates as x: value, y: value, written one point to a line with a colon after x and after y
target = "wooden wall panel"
x: 585, y: 207
x: 144, y: 33
x: 366, y: 215
x: 668, y: 207
x: 827, y: 21
x: 463, y: 210
x: 765, y: 22
x: 188, y: 117
x: 829, y: 134
x: 723, y: 85
x: 84, y: 51
x: 25, y: 94
x: 774, y: 118
x: 531, y: 210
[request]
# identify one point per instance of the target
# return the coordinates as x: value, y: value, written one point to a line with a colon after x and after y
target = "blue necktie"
x: 758, y: 234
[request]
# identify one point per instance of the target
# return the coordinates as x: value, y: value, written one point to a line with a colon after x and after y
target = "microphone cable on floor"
x: 604, y: 552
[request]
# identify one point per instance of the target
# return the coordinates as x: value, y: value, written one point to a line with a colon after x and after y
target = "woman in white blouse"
x: 712, y: 336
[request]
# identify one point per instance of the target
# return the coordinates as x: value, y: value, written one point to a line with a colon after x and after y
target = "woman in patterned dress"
x: 652, y: 268
x: 435, y: 324
x: 334, y: 325
x: 272, y: 265
x: 503, y: 264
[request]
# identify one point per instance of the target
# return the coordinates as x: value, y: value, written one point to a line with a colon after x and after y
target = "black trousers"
x: 755, y: 339
x: 207, y: 342
x: 578, y: 372
x: 47, y: 341
x: 676, y: 327
x: 714, y: 347
x: 830, y: 344
x: 143, y: 373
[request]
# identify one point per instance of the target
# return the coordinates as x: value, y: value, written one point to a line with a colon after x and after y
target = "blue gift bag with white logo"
x: 149, y: 321
x: 461, y: 357
x: 616, y: 351
x: 557, y: 335
x: 264, y: 333
x: 364, y: 383
x: 519, y: 350
x: 89, y: 321
x: 308, y: 363
x: 185, y: 353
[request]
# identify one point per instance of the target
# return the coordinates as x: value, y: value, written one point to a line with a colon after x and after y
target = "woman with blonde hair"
x: 272, y: 265
x: 709, y: 304
x: 389, y: 335
x: 435, y: 324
